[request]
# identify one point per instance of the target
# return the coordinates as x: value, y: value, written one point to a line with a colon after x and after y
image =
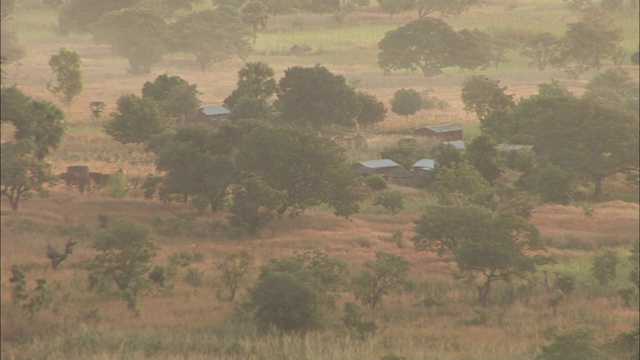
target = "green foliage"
x: 97, y: 108
x: 233, y: 270
x: 572, y: 345
x: 406, y: 102
x: 66, y: 66
x: 390, y: 200
x: 118, y: 186
x: 254, y: 205
x: 352, y: 319
x: 10, y: 47
x: 603, y: 265
x: 21, y: 172
x: 634, y: 274
x: 543, y: 50
x: 565, y: 283
x: 136, y: 120
x: 495, y: 245
x: 484, y: 96
x: 177, y: 98
x: 292, y: 294
x: 313, y: 96
x: 406, y: 152
x: 194, y: 276
x: 147, y: 45
x: 550, y: 182
x: 483, y: 155
x: 371, y: 111
x: 616, y: 87
x: 255, y: 14
x: 79, y: 16
x: 379, y: 278
x: 461, y: 184
x: 430, y: 44
x: 193, y: 33
x: 162, y: 275
x: 376, y: 182
x: 40, y: 298
x: 124, y: 257
x: 393, y: 7
x: 19, y: 289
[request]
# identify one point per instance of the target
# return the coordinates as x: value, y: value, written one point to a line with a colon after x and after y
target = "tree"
x: 586, y: 42
x: 484, y: 96
x: 406, y: 152
x: 136, y: 120
x: 542, y: 49
x: 572, y: 345
x: 426, y: 44
x: 459, y: 185
x: 254, y: 13
x: 313, y: 96
x: 42, y: 122
x: 496, y: 246
x: 391, y: 200
x: 475, y: 49
x: 457, y: 7
x: 592, y: 138
x: 143, y: 50
x: 254, y: 205
x: 22, y: 172
x: 10, y: 46
x: 247, y: 107
x: 603, y: 265
x: 426, y: 7
x: 66, y: 66
x: 78, y: 16
x: 211, y: 35
x: 124, y: 257
x: 485, y: 157
x: 234, y: 268
x: 177, y: 98
x: 406, y: 102
x: 309, y: 169
x: 371, y: 111
x: 380, y: 277
x: 255, y: 80
x: 550, y: 182
x: 293, y: 293
x: 615, y: 87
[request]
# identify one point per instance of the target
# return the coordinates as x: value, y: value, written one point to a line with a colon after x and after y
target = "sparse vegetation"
x: 567, y: 313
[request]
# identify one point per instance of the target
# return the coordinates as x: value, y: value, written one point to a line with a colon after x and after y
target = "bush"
x: 376, y: 182
x: 603, y: 266
x: 293, y: 293
x: 234, y: 269
x: 118, y: 185
x: 380, y: 277
x: 573, y: 345
x: 391, y: 200
x: 406, y: 102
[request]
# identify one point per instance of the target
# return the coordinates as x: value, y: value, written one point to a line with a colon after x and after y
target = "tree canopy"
x: 136, y: 120
x: 21, y: 171
x: 66, y: 66
x: 176, y: 96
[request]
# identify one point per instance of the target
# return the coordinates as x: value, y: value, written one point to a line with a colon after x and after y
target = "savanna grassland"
x: 438, y: 318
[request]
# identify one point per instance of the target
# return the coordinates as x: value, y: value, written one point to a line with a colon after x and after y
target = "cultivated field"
x: 437, y: 319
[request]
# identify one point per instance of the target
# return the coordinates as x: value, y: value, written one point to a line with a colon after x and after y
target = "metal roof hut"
x: 447, y: 132
x: 385, y: 167
x: 213, y: 114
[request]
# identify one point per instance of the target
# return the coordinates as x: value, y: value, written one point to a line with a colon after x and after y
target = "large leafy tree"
x: 616, y: 87
x: 542, y: 50
x: 483, y: 155
x: 313, y: 96
x: 255, y: 80
x: 140, y: 36
x: 431, y: 45
x: 21, y: 173
x: 483, y: 96
x: 255, y: 14
x: 493, y: 246
x: 66, y: 66
x: 309, y: 169
x: 371, y: 111
x: 136, y: 120
x: 79, y: 16
x: 176, y: 96
x: 406, y: 102
x: 589, y: 40
x: 593, y: 138
x: 254, y: 204
x: 211, y: 35
x: 378, y: 278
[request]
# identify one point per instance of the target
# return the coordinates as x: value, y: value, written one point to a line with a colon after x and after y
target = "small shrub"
x: 234, y: 269
x: 481, y: 319
x: 181, y: 258
x: 194, y: 276
x: 19, y: 281
x: 118, y: 186
x: 352, y: 319
x: 161, y: 275
x: 391, y: 200
x: 603, y: 266
x: 174, y: 226
x: 103, y: 221
x: 572, y: 345
x: 380, y: 277
x: 565, y: 283
x: 376, y: 182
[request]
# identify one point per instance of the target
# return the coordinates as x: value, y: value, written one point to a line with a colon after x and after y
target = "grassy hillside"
x: 437, y: 319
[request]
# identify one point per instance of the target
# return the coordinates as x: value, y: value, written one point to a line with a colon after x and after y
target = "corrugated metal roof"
x: 425, y: 164
x: 443, y: 128
x: 210, y: 110
x: 377, y: 164
x: 457, y: 144
x: 513, y: 147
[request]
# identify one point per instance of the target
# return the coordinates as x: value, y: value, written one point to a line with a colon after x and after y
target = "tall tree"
x: 309, y: 169
x: 66, y: 66
x: 211, y: 35
x: 616, y: 87
x: 136, y: 34
x: 176, y: 96
x: 371, y: 111
x: 483, y: 155
x: 542, y: 49
x: 314, y: 96
x: 494, y: 246
x: 136, y: 120
x: 21, y: 171
x: 588, y: 41
x: 484, y: 96
x: 255, y: 14
x: 406, y: 102
x: 591, y: 137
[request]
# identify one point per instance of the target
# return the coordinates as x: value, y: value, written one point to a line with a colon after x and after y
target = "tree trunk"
x: 483, y: 292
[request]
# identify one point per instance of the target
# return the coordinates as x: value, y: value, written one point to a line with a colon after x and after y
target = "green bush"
x: 572, y: 345
x: 603, y: 266
x: 376, y: 182
x: 391, y: 200
x: 118, y: 186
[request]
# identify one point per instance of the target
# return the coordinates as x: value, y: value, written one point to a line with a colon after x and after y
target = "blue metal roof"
x: 425, y: 164
x: 443, y: 128
x: 457, y: 144
x: 211, y: 110
x: 377, y: 164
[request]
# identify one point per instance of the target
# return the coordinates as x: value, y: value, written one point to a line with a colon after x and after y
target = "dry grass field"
x: 438, y: 319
